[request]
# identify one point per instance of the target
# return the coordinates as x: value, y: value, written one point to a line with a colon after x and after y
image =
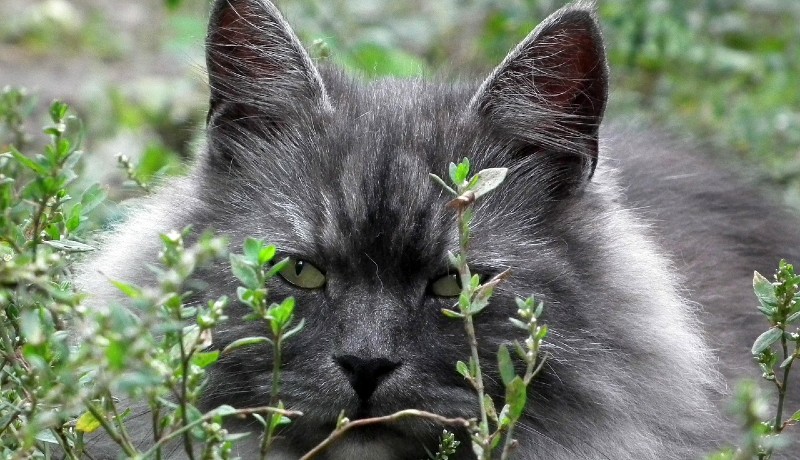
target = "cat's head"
x: 334, y: 171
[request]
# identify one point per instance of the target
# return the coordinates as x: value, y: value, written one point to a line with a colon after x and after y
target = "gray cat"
x: 643, y: 255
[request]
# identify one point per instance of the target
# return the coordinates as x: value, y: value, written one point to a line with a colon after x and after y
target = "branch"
x: 339, y: 432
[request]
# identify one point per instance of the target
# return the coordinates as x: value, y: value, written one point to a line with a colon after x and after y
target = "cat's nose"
x: 365, y: 374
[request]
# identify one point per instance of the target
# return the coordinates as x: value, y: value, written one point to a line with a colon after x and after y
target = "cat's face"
x: 335, y: 173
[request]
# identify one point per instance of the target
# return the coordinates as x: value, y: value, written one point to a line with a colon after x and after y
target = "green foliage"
x: 473, y: 298
x: 775, y: 350
x: 40, y: 229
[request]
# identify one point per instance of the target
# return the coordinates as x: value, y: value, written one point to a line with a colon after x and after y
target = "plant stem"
x: 210, y: 416
x: 112, y: 432
x: 273, y: 400
x: 469, y: 327
x: 337, y: 433
x: 782, y: 387
x: 508, y: 444
x: 187, y: 441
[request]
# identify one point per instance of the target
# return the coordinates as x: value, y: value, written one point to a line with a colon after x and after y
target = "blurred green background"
x: 724, y: 72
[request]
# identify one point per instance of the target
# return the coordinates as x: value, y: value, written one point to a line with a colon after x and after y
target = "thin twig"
x: 211, y: 415
x: 339, y: 432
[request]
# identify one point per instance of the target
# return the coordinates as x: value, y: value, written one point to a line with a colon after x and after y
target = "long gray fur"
x: 640, y: 251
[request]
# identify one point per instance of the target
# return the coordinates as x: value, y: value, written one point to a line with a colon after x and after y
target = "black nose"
x: 365, y: 374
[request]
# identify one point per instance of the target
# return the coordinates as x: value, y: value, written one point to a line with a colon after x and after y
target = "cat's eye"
x: 302, y: 274
x: 446, y: 286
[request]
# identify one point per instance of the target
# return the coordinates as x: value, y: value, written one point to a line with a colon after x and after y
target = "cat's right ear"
x: 549, y: 94
x: 257, y: 67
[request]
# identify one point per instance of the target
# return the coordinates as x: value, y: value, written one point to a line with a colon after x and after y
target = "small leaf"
x: 452, y: 171
x: 27, y: 162
x: 516, y: 397
x: 117, y: 354
x: 462, y: 171
x: 205, y: 359
x: 766, y: 339
x: 281, y: 314
x: 488, y: 404
x: 442, y: 183
x: 46, y: 436
x: 245, y: 342
x: 225, y: 410
x: 505, y: 365
x: 277, y: 267
x: 796, y: 416
x: 128, y: 289
x: 69, y: 245
x: 244, y: 271
x: 87, y: 423
x: 462, y: 369
x: 490, y: 179
x: 266, y: 254
x: 252, y: 247
x: 451, y: 314
x: 91, y: 197
x: 787, y: 361
x: 765, y: 292
x: 793, y: 317
x: 519, y: 324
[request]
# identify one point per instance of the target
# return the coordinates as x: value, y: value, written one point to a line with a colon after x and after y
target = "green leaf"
x: 793, y: 317
x: 462, y: 369
x: 488, y: 404
x: 464, y: 302
x: 225, y: 410
x: 69, y: 245
x: 490, y: 179
x: 766, y: 339
x: 796, y: 416
x: 252, y: 247
x: 46, y: 436
x: 765, y: 292
x: 520, y: 324
x: 87, y: 423
x: 31, y: 327
x: 277, y: 267
x: 787, y: 361
x: 516, y: 397
x: 244, y: 271
x: 128, y: 289
x: 27, y: 162
x: 295, y: 329
x: 116, y: 354
x: 452, y: 171
x: 451, y: 314
x: 505, y: 365
x: 245, y: 342
x: 205, y: 359
x: 462, y: 171
x: 266, y: 254
x: 442, y: 183
x: 58, y: 110
x: 281, y: 314
x: 91, y: 197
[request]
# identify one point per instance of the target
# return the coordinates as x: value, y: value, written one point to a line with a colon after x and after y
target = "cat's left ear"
x: 550, y: 92
x: 256, y: 64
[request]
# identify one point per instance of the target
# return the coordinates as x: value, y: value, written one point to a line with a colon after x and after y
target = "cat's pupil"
x: 298, y: 267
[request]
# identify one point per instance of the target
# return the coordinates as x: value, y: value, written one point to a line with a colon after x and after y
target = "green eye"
x: 446, y: 286
x: 303, y: 274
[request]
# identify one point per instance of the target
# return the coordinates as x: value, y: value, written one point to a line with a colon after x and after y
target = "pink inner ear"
x: 240, y: 47
x: 565, y: 69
